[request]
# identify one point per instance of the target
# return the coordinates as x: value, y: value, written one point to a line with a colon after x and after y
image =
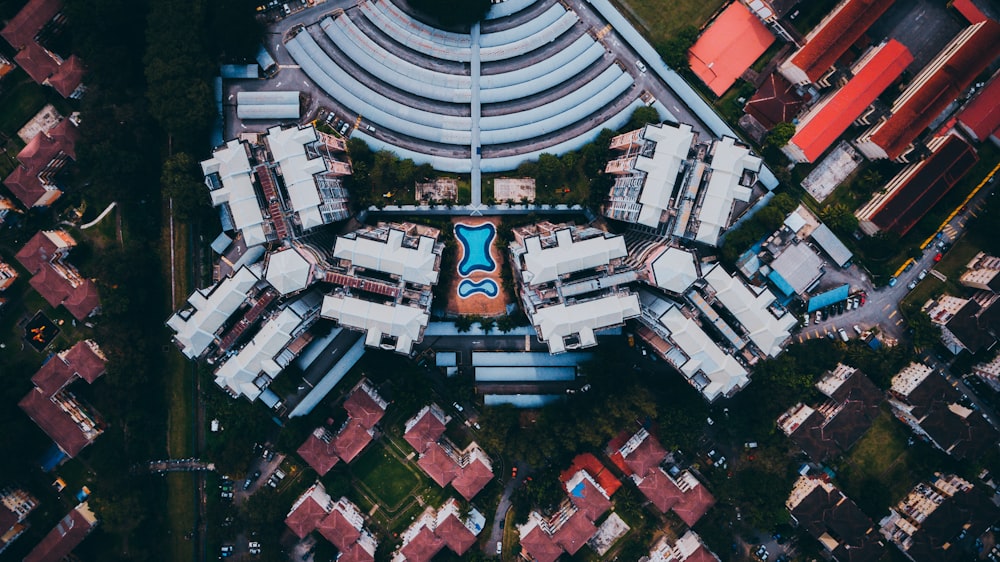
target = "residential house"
x: 15, y: 505
x: 989, y: 372
x: 29, y: 32
x: 927, y: 96
x: 7, y: 275
x: 384, y: 277
x: 325, y: 447
x: 70, y: 423
x: 468, y: 470
x: 65, y: 536
x: 544, y: 539
x: 823, y: 511
x: 688, y: 548
x: 923, y: 399
x: 833, y: 427
x: 570, y: 281
x: 929, y: 523
x: 971, y: 324
x: 447, y: 526
x: 340, y: 522
x: 982, y: 273
x: 776, y: 101
x: 665, y: 177
x: 727, y: 47
x: 665, y: 485
x: 35, y: 180
x: 59, y: 283
x: 915, y: 190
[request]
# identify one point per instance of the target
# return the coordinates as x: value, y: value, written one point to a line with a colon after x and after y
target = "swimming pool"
x: 487, y: 287
x: 476, y: 242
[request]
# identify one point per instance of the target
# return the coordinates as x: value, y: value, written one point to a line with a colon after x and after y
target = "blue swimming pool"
x: 476, y: 242
x: 487, y: 287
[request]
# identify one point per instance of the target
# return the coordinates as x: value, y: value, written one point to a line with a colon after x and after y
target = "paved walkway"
x: 477, y: 176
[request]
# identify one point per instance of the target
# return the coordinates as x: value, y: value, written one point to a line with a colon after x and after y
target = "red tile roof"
x: 575, y: 532
x: 828, y: 43
x: 426, y: 431
x: 456, y: 535
x: 79, y: 360
x: 338, y: 530
x: 933, y: 178
x: 702, y: 554
x: 728, y: 47
x: 694, y: 504
x: 775, y: 102
x: 85, y: 361
x: 37, y: 62
x: 23, y: 182
x: 80, y: 300
x: 540, y: 546
x: 836, y: 113
x: 361, y: 407
x: 306, y: 518
x: 22, y: 29
x: 587, y: 461
x: 355, y: 553
x: 589, y: 500
x: 941, y: 88
x: 969, y: 10
x: 472, y: 479
x: 438, y: 465
x: 318, y: 453
x: 982, y: 116
x: 64, y: 537
x: 351, y: 441
x: 646, y: 456
x: 422, y: 547
x: 660, y: 490
x: 68, y: 77
x: 55, y: 422
x: 37, y: 252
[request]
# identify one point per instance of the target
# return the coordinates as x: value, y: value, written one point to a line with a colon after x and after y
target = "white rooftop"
x: 402, y: 322
x: 212, y: 306
x: 240, y: 371
x: 542, y: 265
x: 672, y: 147
x: 766, y: 331
x: 415, y: 265
x: 561, y: 321
x: 674, y: 270
x: 232, y: 163
x: 722, y: 370
x: 288, y: 150
x: 289, y: 270
x: 723, y: 190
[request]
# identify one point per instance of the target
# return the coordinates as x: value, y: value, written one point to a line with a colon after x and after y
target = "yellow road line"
x: 894, y: 312
x: 886, y: 307
x: 900, y: 321
x: 963, y: 203
x: 817, y: 333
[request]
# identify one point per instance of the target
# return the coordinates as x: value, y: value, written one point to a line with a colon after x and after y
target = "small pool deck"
x: 477, y: 303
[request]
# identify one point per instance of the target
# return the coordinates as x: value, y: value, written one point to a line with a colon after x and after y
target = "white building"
x: 767, y: 325
x: 196, y: 326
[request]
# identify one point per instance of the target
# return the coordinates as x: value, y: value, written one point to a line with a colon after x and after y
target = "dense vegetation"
x: 766, y: 221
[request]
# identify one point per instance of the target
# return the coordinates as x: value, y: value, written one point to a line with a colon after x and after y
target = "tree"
x: 181, y: 183
x: 641, y: 117
x: 925, y: 333
x: 464, y: 323
x: 674, y: 51
x: 781, y: 134
x: 486, y: 324
x: 839, y: 218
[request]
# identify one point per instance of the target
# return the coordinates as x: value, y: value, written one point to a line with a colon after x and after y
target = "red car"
x: 937, y: 257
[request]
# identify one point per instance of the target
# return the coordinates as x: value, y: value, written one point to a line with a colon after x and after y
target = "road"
x: 496, y: 533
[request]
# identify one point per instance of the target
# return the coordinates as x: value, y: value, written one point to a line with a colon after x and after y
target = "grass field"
x: 390, y: 480
x: 660, y: 20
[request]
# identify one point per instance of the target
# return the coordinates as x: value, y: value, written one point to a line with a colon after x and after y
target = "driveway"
x: 496, y: 533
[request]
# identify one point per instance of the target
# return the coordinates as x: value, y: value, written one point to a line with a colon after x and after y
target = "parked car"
x: 922, y: 274
x: 843, y: 335
x: 458, y: 406
x: 892, y: 281
x: 912, y: 285
x: 640, y: 66
x: 937, y: 258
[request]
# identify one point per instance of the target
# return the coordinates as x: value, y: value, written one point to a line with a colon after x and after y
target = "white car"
x: 499, y: 547
x: 640, y: 66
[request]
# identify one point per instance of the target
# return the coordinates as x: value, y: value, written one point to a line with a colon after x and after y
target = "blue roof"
x: 237, y: 71
x: 780, y: 282
x: 521, y: 400
x: 528, y: 359
x: 829, y: 297
x: 525, y: 374
x: 875, y: 343
x: 446, y: 359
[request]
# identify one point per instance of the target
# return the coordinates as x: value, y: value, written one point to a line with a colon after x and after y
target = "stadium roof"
x: 732, y: 43
x: 823, y: 124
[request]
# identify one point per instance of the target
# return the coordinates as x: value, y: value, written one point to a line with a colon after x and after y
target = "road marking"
x: 800, y: 339
x: 289, y: 66
x: 900, y: 321
x: 603, y: 31
x: 817, y: 333
x: 826, y: 330
x: 886, y: 307
x: 894, y: 312
x: 939, y: 275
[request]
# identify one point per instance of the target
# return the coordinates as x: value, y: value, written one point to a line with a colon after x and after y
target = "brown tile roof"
x: 338, y: 530
x: 355, y: 553
x: 540, y: 546
x: 694, y: 504
x: 65, y: 536
x: 972, y: 509
x: 960, y: 437
x: 832, y: 513
x: 457, y: 536
x: 318, y: 453
x: 856, y: 405
x: 24, y: 186
x: 776, y: 101
x: 827, y: 44
x: 56, y: 423
x: 472, y: 479
x: 596, y: 469
x: 646, y: 456
x: 306, y: 518
x: 423, y: 547
x: 81, y: 300
x: 575, y: 532
x: 23, y: 182
x: 702, y: 554
x: 932, y: 180
x: 589, y: 500
x: 23, y: 27
x: 426, y: 431
x: 660, y: 490
x: 37, y: 62
x: 68, y: 77
x: 438, y: 465
x: 351, y: 441
x: 940, y: 89
x: 361, y: 407
x: 975, y: 326
x: 79, y: 360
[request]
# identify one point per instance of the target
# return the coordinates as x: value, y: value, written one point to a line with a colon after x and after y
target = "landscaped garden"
x: 386, y: 477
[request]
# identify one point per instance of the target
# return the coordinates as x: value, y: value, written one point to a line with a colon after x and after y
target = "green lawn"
x: 22, y: 99
x: 659, y: 20
x: 385, y: 476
